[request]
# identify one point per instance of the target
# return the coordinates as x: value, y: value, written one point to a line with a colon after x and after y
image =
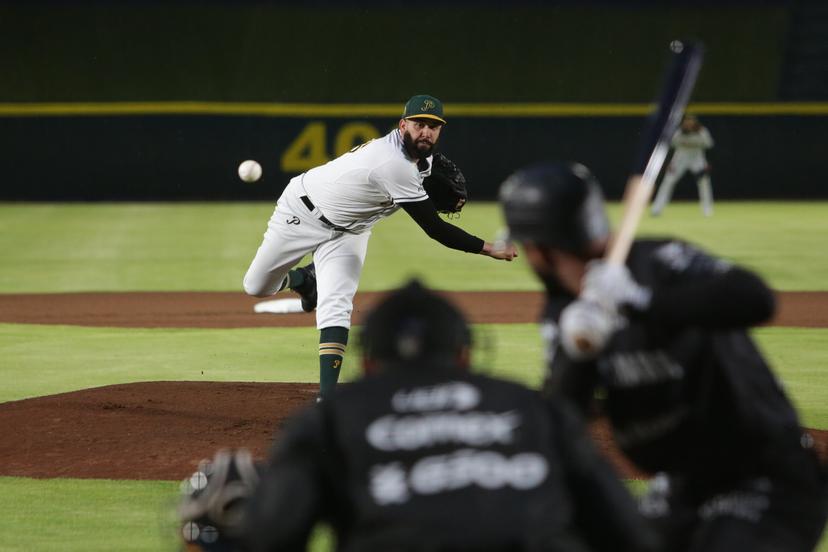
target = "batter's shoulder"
x: 667, y: 260
x: 658, y: 257
x: 652, y: 249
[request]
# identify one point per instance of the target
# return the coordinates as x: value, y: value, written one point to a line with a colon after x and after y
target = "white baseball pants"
x: 293, y: 232
x: 675, y: 170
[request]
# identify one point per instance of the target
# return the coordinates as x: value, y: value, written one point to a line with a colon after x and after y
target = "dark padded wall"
x: 328, y: 52
x: 196, y: 157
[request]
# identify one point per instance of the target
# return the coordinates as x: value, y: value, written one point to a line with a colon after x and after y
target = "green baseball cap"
x: 424, y: 106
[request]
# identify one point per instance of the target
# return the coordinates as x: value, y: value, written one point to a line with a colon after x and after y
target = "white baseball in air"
x: 250, y: 171
x: 677, y: 46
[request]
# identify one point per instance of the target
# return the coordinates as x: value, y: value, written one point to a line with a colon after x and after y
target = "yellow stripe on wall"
x: 476, y: 110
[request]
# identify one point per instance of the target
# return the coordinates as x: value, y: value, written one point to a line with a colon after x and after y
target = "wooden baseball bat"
x: 655, y: 144
x: 661, y: 124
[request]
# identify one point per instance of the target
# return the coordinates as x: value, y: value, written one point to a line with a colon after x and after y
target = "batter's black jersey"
x: 685, y: 388
x: 432, y: 461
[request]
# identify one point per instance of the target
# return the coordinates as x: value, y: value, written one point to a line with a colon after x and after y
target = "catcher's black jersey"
x: 684, y: 386
x: 436, y: 461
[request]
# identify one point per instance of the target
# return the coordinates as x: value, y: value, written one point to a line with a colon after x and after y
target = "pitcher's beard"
x: 418, y: 150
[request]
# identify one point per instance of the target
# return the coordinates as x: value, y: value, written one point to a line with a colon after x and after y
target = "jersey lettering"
x: 393, y: 484
x: 487, y: 469
x: 454, y: 395
x: 391, y: 433
x: 642, y: 368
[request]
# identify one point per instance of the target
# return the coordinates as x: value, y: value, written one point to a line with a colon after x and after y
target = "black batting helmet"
x: 414, y: 326
x: 555, y: 204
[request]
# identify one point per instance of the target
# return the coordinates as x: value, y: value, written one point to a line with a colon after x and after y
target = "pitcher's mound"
x: 160, y: 430
x: 157, y: 430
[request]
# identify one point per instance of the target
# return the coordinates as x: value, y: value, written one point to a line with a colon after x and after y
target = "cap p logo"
x: 423, y: 106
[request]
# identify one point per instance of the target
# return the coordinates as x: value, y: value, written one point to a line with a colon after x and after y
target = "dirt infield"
x: 160, y: 430
x: 235, y: 310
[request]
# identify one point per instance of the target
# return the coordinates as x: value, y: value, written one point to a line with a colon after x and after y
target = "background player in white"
x: 330, y: 209
x: 690, y: 142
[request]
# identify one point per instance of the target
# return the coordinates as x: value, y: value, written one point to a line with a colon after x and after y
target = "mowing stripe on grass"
x: 43, y: 360
x: 52, y: 248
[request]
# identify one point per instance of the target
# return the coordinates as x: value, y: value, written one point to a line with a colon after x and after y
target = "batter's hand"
x: 504, y: 251
x: 613, y: 287
x: 586, y: 328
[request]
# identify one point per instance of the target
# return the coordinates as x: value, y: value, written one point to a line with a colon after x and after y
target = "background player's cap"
x: 423, y: 106
x: 415, y: 328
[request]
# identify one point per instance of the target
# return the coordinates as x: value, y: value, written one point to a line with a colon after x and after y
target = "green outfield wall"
x: 257, y: 51
x: 162, y: 100
x: 191, y: 150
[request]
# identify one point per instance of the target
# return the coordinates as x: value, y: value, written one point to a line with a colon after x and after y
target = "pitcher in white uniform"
x: 329, y: 211
x: 690, y: 142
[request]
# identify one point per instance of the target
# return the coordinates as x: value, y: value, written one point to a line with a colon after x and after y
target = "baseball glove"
x: 446, y: 186
x: 211, y: 510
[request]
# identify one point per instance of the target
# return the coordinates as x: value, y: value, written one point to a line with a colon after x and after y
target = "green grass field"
x: 195, y: 247
x: 168, y: 247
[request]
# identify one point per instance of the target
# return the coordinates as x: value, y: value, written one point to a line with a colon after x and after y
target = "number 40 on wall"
x: 309, y: 149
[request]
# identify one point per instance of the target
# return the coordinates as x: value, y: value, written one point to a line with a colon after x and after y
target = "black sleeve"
x: 575, y: 381
x: 290, y: 497
x: 424, y: 214
x: 606, y: 514
x: 733, y: 298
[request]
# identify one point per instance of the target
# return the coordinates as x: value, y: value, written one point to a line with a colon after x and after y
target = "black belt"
x: 311, y: 207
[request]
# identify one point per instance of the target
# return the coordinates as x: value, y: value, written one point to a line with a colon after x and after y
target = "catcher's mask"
x: 414, y: 327
x: 211, y: 510
x: 555, y: 204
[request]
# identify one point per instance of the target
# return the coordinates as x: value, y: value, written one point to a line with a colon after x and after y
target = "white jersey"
x: 690, y: 148
x: 366, y: 184
x: 688, y: 156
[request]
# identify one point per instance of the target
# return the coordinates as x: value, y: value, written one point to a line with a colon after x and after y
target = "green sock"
x: 295, y: 278
x: 332, y: 342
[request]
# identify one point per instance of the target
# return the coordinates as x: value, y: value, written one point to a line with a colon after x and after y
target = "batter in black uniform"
x: 422, y: 455
x: 686, y: 391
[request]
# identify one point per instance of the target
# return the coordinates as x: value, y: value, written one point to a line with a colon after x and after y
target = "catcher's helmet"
x: 416, y: 327
x: 555, y: 204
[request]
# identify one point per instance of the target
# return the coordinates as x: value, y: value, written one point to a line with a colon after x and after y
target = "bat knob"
x: 586, y: 328
x: 584, y: 344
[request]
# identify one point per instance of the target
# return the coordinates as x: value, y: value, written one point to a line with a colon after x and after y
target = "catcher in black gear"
x: 421, y: 455
x: 688, y: 394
